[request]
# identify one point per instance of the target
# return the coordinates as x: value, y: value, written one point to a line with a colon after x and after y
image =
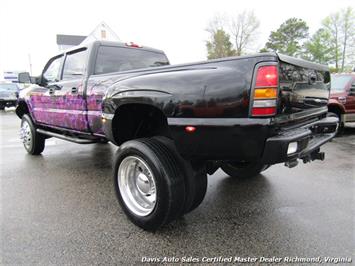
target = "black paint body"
x: 214, y: 96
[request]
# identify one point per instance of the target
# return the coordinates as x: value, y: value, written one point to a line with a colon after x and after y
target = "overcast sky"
x: 175, y: 26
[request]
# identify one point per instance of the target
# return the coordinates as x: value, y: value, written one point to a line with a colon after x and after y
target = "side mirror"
x: 24, y: 77
x: 36, y: 80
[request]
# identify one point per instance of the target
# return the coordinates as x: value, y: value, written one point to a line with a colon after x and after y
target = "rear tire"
x: 195, y: 177
x: 243, y: 170
x: 200, y: 180
x: 33, y: 141
x: 160, y: 197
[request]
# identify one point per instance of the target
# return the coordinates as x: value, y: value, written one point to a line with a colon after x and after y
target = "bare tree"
x: 243, y: 29
x: 341, y: 26
x: 218, y: 22
x: 348, y: 32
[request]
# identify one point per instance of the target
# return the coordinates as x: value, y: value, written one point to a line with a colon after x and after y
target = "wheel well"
x: 132, y: 121
x: 335, y: 109
x: 21, y: 109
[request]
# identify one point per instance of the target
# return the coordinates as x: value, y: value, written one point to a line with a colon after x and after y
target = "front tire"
x: 243, y: 170
x: 341, y: 124
x: 33, y: 141
x: 149, y: 183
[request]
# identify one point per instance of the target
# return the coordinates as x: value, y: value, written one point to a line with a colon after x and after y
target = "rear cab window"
x: 116, y: 59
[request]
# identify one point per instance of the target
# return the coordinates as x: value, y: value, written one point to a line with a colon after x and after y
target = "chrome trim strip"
x: 221, y: 122
x: 107, y: 116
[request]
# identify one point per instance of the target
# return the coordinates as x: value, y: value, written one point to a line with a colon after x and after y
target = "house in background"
x: 101, y: 32
x: 64, y: 42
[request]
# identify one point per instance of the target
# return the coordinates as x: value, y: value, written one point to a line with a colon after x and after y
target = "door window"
x: 52, y: 72
x: 74, y: 66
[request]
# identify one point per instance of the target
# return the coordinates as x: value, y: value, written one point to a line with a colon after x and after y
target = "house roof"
x: 63, y: 39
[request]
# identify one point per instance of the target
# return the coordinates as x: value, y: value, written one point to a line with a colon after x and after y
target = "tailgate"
x: 304, y: 89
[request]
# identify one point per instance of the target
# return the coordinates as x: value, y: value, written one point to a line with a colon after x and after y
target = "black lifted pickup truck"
x: 174, y: 124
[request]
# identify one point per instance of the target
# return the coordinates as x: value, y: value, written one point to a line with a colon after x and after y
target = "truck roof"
x: 110, y: 43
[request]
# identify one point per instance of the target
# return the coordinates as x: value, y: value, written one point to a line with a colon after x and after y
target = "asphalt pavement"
x: 60, y: 208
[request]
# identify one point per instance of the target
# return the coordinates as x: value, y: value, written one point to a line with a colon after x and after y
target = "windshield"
x: 116, y: 59
x: 338, y: 83
x: 8, y: 87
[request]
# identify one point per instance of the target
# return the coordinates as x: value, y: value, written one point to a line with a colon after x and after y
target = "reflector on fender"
x: 190, y: 129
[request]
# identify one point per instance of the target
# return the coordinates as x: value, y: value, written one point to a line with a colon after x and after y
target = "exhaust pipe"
x: 316, y: 155
x: 291, y: 163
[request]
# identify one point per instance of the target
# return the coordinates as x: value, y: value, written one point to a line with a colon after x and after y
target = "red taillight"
x: 265, y: 91
x: 263, y: 111
x: 267, y: 77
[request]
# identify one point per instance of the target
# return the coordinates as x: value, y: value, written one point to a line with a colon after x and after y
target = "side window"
x: 74, y: 65
x: 51, y: 74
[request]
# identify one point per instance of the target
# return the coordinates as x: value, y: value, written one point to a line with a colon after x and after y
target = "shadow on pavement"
x: 348, y: 131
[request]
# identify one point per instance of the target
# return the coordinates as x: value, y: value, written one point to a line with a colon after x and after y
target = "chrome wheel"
x: 26, y: 135
x: 137, y: 185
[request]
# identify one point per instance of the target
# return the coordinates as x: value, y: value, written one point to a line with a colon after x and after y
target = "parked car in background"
x: 342, y: 97
x: 8, y: 94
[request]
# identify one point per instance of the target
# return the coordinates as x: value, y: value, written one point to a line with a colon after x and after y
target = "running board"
x: 72, y: 139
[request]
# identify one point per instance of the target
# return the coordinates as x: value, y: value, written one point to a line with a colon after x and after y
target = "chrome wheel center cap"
x: 143, y: 183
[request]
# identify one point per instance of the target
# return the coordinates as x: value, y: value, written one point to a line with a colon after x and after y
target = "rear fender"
x: 159, y: 99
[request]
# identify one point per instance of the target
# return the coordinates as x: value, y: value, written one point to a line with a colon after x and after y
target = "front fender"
x: 333, y: 103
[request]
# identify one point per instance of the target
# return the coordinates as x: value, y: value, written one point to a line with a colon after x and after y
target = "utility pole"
x: 30, y: 63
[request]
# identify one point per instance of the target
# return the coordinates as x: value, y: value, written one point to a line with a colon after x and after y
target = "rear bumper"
x: 250, y: 139
x: 308, y: 138
x: 220, y: 139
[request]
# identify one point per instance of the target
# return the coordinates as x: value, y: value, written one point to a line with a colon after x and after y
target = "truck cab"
x: 68, y: 95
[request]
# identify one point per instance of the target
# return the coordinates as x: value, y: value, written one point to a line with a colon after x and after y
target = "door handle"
x: 53, y: 88
x: 74, y: 90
